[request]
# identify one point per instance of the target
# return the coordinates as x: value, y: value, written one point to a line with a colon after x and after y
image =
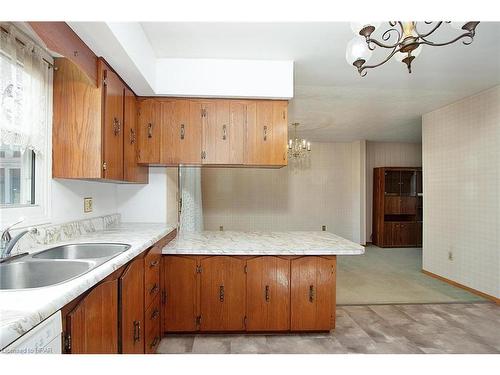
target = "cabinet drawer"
x: 152, y: 326
x: 152, y: 263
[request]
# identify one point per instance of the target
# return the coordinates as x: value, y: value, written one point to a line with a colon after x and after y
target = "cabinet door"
x: 392, y: 205
x: 312, y: 291
x: 93, y: 324
x: 392, y: 182
x: 236, y: 132
x: 407, y: 234
x: 251, y: 144
x: 149, y: 136
x: 187, y: 117
x: 215, y: 128
x: 169, y: 135
x: 408, y: 183
x: 113, y: 98
x: 280, y: 132
x: 222, y: 294
x: 264, y: 130
x: 132, y: 308
x: 132, y: 171
x: 408, y: 205
x: 389, y: 237
x: 268, y: 294
x: 179, y: 297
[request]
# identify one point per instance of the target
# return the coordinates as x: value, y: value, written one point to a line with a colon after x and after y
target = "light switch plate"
x: 87, y: 204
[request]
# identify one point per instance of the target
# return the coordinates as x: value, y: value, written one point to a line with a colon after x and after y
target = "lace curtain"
x: 192, y: 210
x: 24, y: 87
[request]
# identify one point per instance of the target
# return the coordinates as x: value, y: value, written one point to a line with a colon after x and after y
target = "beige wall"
x: 461, y: 164
x: 326, y: 193
x: 390, y: 154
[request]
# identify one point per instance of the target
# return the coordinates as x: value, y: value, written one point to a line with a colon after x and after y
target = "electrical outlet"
x: 221, y: 228
x: 450, y: 255
x: 323, y: 228
x: 87, y: 204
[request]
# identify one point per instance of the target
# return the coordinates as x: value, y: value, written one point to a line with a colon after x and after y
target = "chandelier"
x: 298, y: 148
x: 403, y: 40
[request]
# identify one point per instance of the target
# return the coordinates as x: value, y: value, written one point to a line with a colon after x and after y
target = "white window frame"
x: 40, y: 212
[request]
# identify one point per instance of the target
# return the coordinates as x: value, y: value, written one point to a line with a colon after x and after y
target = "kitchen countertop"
x: 21, y: 310
x: 262, y: 243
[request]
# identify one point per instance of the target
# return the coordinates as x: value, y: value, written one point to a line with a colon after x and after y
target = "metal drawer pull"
x: 150, y: 130
x: 267, y: 293
x: 183, y: 131
x: 155, y: 342
x: 155, y: 314
x: 311, y: 293
x: 132, y: 136
x: 116, y: 126
x: 154, y: 289
x: 221, y: 293
x: 224, y: 132
x: 154, y: 264
x: 265, y: 132
x: 137, y: 330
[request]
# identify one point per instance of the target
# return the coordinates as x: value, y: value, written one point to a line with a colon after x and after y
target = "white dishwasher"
x: 45, y: 338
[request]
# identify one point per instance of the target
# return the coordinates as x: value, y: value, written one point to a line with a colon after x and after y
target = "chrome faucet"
x: 8, y: 243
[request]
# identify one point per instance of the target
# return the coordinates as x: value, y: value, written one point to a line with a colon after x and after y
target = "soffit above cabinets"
x: 127, y: 49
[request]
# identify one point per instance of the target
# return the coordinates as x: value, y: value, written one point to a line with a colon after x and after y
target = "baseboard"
x: 454, y: 283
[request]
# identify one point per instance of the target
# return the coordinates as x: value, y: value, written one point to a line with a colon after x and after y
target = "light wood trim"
x: 458, y: 285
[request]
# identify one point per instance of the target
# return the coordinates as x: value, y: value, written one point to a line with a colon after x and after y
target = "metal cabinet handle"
x: 132, y: 136
x: 183, y: 131
x: 117, y: 127
x: 311, y: 293
x: 154, y: 289
x: 155, y: 342
x: 155, y: 314
x: 137, y: 330
x: 267, y: 293
x: 221, y: 293
x: 224, y: 132
x: 154, y: 264
x: 150, y: 130
x: 265, y: 132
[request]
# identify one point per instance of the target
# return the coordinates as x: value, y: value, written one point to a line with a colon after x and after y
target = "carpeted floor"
x: 391, y: 276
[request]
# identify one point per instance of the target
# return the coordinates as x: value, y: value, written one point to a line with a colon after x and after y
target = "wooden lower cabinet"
x: 92, y: 325
x: 222, y: 294
x: 254, y: 294
x: 180, y: 294
x: 268, y: 294
x: 312, y: 297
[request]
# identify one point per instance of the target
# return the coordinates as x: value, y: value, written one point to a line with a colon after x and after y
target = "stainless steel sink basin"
x: 31, y: 274
x: 83, y: 251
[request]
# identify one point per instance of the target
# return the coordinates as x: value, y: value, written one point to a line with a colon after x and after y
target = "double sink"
x: 56, y: 265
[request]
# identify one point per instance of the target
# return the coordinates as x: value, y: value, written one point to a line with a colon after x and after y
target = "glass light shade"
x: 356, y: 26
x: 400, y: 55
x: 357, y: 49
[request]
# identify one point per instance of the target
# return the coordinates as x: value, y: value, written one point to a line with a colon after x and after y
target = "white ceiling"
x: 331, y: 101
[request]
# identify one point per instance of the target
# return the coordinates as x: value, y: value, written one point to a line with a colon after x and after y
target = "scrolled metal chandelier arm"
x: 409, y: 39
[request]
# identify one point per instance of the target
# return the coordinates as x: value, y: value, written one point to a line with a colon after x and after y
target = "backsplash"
x: 50, y: 234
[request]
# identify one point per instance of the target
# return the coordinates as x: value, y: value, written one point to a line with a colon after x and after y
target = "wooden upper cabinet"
x: 267, y: 133
x: 92, y: 326
x: 222, y: 294
x: 187, y: 121
x: 149, y: 135
x: 113, y: 99
x: 132, y: 171
x: 169, y: 134
x: 268, y: 294
x: 280, y: 133
x: 179, y: 294
x: 131, y: 285
x: 223, y: 129
x: 312, y: 293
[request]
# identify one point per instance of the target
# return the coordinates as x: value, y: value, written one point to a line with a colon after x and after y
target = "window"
x: 25, y: 111
x: 17, y: 177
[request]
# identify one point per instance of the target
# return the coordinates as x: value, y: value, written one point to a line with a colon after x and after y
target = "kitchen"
x: 158, y: 199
